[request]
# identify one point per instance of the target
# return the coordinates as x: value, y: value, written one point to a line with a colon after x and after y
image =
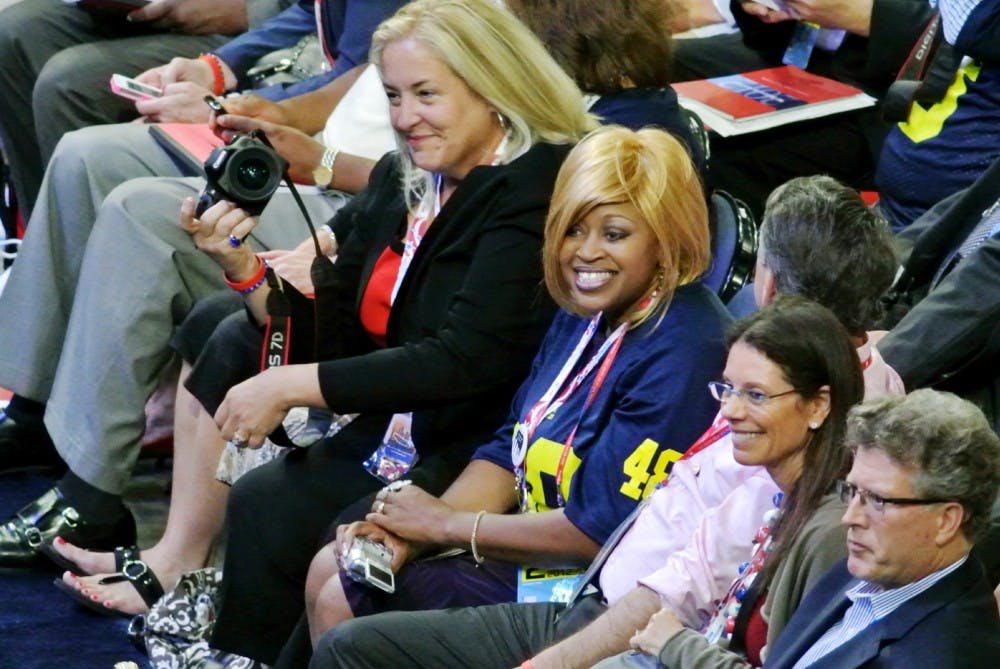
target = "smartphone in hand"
x: 214, y: 104
x: 132, y: 89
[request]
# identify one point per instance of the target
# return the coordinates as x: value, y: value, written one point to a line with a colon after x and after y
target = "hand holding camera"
x: 413, y: 514
x: 245, y: 172
x: 369, y: 563
x: 400, y: 550
x: 215, y: 232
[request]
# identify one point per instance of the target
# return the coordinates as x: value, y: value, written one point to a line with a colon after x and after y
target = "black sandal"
x: 131, y: 569
x: 121, y: 553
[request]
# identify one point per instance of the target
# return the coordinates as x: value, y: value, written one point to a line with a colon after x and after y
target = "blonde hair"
x: 652, y: 171
x: 502, y: 62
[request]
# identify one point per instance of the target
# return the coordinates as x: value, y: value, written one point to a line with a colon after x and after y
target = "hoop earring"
x: 501, y: 120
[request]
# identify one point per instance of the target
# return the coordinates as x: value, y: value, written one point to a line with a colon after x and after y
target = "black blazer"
x: 469, y: 314
x: 950, y: 336
x: 953, y: 624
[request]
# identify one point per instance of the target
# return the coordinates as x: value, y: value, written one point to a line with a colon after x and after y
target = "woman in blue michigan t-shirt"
x: 613, y: 399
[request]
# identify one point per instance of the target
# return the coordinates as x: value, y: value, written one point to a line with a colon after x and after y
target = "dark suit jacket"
x: 952, y: 624
x: 468, y: 317
x: 950, y: 337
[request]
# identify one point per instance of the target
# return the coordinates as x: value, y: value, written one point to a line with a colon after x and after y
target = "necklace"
x: 723, y: 623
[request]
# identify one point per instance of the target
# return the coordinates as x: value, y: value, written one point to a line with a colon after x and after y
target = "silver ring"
x: 235, y: 241
x: 239, y: 440
x: 379, y: 505
x: 396, y: 486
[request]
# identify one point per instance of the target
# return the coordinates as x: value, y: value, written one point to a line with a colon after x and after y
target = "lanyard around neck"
x: 426, y: 213
x: 549, y: 403
x: 415, y: 232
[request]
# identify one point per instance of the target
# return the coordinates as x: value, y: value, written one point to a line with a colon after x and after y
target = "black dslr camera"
x: 246, y: 172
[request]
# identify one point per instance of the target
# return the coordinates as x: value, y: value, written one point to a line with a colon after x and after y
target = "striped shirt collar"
x: 884, y: 601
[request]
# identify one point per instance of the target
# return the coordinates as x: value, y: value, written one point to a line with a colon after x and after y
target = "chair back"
x: 699, y: 133
x: 734, y: 245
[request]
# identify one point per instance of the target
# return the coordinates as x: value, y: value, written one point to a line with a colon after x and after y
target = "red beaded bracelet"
x: 251, y: 284
x: 219, y: 85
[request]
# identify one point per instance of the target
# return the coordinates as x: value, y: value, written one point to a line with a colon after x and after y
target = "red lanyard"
x: 546, y: 404
x: 602, y: 374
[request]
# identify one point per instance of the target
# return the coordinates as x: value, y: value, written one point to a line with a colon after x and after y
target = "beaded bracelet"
x: 472, y: 541
x: 219, y: 83
x: 251, y: 284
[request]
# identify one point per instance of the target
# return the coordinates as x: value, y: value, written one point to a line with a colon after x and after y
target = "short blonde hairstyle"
x: 652, y: 171
x: 501, y: 61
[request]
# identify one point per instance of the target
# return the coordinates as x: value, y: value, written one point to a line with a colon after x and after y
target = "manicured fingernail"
x: 107, y: 605
x: 60, y: 541
x: 95, y: 598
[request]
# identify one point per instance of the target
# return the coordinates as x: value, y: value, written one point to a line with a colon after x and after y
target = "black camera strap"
x: 278, y: 332
x: 925, y: 76
x: 277, y: 336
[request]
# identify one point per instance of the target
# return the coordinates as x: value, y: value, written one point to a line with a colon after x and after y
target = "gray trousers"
x: 102, y: 279
x: 55, y: 63
x: 500, y: 636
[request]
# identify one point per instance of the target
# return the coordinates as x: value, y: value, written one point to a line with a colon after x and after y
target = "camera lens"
x: 253, y: 174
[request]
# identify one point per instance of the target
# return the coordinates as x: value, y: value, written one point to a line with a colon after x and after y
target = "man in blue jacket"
x: 925, y: 474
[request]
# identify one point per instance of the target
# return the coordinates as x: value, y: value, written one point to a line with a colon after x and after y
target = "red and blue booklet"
x: 189, y: 144
x: 743, y: 103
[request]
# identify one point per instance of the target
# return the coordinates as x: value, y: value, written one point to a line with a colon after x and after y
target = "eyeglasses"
x: 847, y: 492
x: 723, y: 391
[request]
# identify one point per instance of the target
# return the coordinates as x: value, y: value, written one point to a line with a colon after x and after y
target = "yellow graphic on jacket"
x: 643, y: 480
x: 923, y: 124
x: 540, y: 467
x: 644, y: 468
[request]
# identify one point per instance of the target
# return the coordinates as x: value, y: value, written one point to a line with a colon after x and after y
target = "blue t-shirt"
x: 652, y: 406
x: 942, y: 149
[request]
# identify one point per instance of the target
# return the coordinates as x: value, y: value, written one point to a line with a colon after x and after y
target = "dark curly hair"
x: 604, y: 44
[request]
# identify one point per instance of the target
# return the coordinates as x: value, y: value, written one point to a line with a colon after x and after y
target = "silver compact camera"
x: 370, y: 563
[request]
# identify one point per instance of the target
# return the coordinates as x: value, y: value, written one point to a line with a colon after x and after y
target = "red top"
x: 755, y: 636
x: 376, y: 301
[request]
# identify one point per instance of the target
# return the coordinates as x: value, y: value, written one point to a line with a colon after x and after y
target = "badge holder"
x: 546, y: 585
x: 800, y: 46
x: 397, y: 454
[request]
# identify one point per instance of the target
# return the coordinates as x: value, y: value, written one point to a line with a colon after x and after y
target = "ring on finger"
x: 396, y: 486
x: 235, y: 241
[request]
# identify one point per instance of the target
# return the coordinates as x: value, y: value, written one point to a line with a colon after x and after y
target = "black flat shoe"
x: 48, y: 517
x: 24, y: 446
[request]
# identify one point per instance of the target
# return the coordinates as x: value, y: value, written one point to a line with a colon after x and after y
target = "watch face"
x: 322, y: 175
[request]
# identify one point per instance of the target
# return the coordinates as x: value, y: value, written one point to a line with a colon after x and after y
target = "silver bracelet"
x: 333, y: 240
x: 472, y: 541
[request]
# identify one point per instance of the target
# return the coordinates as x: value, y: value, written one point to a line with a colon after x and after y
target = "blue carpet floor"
x: 41, y: 628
